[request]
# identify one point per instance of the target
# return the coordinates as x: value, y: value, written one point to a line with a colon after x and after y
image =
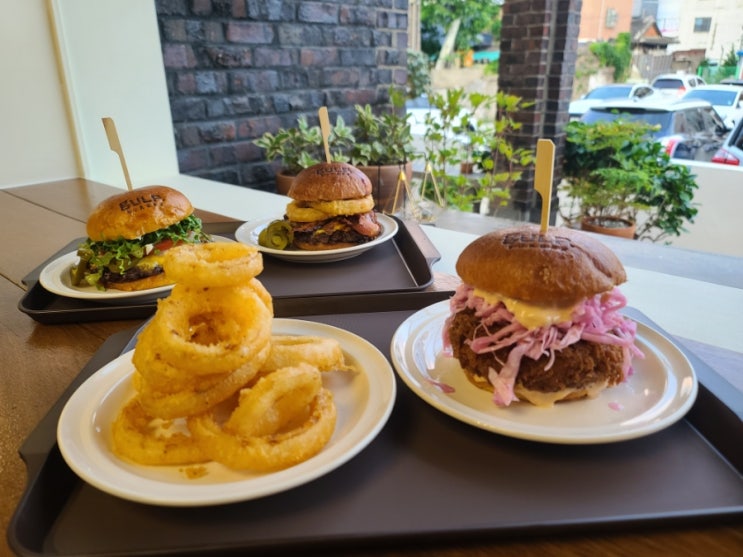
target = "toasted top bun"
x: 133, y: 213
x: 559, y: 268
x: 330, y: 182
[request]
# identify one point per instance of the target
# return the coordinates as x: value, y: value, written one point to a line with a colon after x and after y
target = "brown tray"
x: 397, y: 267
x: 425, y: 479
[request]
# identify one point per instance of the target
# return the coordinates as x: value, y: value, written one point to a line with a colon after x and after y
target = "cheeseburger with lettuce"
x: 128, y: 234
x: 537, y: 316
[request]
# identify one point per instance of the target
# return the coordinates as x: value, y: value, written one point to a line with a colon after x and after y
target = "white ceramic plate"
x: 661, y: 390
x: 55, y: 278
x: 363, y: 400
x: 249, y: 231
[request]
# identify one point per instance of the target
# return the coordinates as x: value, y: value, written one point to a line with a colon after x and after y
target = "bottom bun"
x: 541, y: 398
x: 538, y: 398
x: 154, y: 281
x: 309, y: 246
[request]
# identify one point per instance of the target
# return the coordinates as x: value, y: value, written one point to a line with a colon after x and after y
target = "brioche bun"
x: 132, y: 214
x: 330, y: 181
x: 557, y: 268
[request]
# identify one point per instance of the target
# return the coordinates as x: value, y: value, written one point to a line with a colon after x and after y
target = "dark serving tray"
x: 397, y: 268
x: 425, y: 479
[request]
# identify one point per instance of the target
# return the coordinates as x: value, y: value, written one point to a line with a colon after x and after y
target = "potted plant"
x: 382, y: 148
x: 380, y: 145
x: 614, y: 174
x: 468, y: 150
x: 302, y: 146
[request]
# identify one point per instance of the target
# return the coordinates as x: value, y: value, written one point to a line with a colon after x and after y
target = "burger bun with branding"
x: 128, y: 234
x: 537, y: 316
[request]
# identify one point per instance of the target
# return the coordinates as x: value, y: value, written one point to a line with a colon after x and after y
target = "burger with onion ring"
x: 332, y: 207
x: 537, y: 316
x: 128, y: 234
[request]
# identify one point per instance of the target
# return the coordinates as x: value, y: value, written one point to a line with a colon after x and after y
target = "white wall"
x: 65, y: 65
x: 37, y: 144
x: 719, y: 196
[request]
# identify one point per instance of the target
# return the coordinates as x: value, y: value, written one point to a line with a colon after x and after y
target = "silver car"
x: 690, y: 130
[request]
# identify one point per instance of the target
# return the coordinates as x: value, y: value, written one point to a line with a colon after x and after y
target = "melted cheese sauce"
x: 530, y: 316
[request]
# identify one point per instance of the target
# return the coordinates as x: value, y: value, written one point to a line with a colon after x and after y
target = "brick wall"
x: 238, y: 68
x: 539, y: 44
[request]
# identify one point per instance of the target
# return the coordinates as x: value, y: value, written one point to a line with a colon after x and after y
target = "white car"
x: 675, y: 85
x: 611, y: 92
x: 726, y: 99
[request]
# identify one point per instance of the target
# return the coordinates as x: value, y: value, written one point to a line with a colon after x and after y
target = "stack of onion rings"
x: 211, y: 381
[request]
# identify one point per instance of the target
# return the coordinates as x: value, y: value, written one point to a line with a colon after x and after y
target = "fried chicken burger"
x: 537, y: 316
x: 127, y: 235
x: 332, y: 207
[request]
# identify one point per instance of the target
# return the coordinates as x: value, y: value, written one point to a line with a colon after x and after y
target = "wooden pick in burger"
x: 325, y: 129
x: 115, y: 144
x: 543, y: 172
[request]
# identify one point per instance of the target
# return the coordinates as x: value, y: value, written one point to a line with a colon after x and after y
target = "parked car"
x: 731, y: 152
x: 726, y: 99
x: 738, y: 82
x: 675, y: 85
x: 690, y: 130
x: 609, y: 92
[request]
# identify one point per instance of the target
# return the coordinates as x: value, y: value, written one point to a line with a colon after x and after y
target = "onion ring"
x: 324, y: 353
x: 344, y: 206
x: 135, y: 437
x: 189, y: 402
x: 160, y: 385
x: 274, y: 401
x: 215, y: 264
x: 270, y: 452
x: 304, y: 214
x: 211, y: 330
x: 264, y: 295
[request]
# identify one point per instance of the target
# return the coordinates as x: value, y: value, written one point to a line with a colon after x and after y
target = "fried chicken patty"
x: 575, y: 367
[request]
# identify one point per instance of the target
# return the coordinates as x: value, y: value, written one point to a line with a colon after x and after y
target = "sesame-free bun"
x: 330, y: 182
x: 133, y: 213
x: 558, y: 268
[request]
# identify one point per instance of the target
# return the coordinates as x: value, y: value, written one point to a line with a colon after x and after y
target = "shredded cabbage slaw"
x: 597, y: 319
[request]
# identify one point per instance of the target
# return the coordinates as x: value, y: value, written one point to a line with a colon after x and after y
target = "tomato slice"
x: 163, y: 245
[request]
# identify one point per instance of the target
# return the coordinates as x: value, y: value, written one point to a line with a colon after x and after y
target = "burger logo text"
x: 332, y: 170
x: 140, y: 202
x: 530, y: 240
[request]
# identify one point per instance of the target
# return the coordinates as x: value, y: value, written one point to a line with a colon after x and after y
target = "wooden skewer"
x: 325, y: 128
x: 543, y: 174
x: 115, y: 144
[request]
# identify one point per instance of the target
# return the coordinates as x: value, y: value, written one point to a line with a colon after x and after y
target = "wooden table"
x: 39, y: 361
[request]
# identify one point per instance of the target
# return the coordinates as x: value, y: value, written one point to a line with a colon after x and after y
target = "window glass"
x: 702, y: 24
x: 694, y: 120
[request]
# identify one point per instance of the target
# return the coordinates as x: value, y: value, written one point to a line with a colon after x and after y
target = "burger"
x: 332, y: 207
x: 128, y: 234
x: 537, y: 316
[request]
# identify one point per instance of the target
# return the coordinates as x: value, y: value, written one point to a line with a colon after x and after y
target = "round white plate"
x: 661, y: 390
x: 55, y: 278
x: 248, y: 233
x: 364, y: 401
